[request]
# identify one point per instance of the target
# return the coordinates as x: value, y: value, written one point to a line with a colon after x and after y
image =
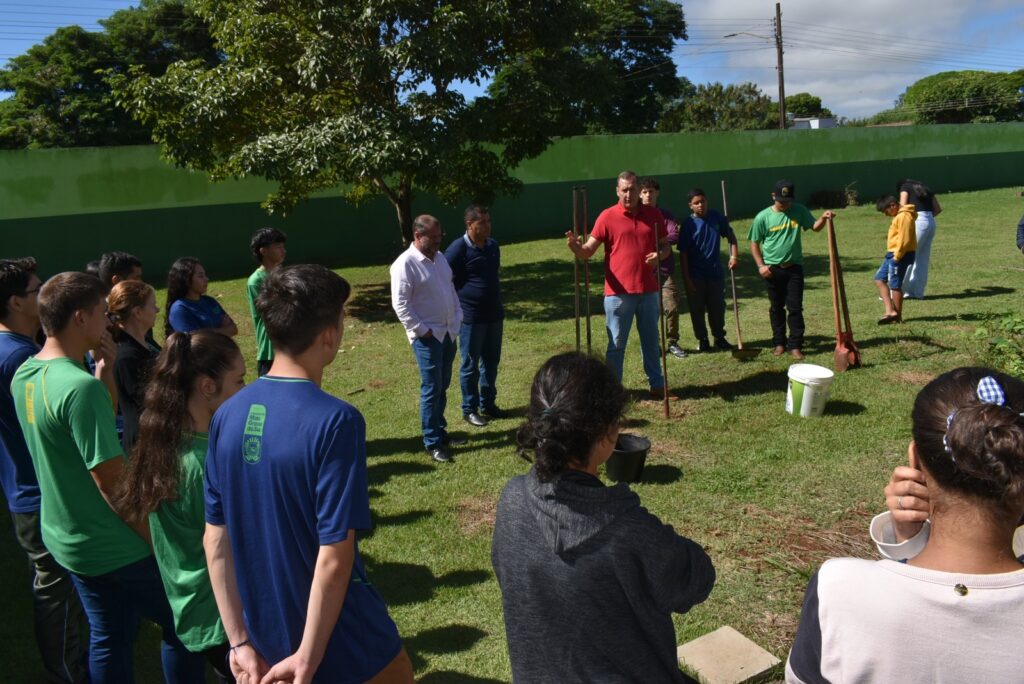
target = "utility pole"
x: 778, y: 52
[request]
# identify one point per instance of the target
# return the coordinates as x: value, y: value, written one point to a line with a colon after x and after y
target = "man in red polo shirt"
x: 631, y: 251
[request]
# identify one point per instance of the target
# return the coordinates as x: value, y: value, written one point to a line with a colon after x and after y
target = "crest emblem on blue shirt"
x: 252, y: 437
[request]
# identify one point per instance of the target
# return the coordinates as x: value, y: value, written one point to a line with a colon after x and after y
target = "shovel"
x: 846, y: 355
x: 738, y: 352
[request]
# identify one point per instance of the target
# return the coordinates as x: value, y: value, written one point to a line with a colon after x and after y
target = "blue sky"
x: 857, y: 56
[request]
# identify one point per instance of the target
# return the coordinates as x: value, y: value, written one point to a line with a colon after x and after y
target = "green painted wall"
x: 67, y: 206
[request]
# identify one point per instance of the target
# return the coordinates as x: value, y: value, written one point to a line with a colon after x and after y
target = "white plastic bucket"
x: 809, y: 387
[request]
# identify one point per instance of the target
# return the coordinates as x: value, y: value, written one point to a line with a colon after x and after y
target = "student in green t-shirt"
x: 67, y: 417
x: 267, y: 245
x: 775, y: 245
x: 193, y: 376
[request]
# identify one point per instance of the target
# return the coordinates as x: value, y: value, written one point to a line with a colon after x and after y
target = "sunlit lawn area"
x: 769, y: 495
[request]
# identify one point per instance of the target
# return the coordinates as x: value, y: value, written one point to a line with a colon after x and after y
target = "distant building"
x: 804, y: 122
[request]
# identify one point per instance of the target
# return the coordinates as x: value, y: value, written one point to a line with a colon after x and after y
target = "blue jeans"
x: 917, y: 275
x: 481, y: 354
x: 619, y: 311
x: 435, y: 359
x: 114, y: 602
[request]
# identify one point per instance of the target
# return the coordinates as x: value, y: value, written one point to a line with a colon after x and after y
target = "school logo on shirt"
x: 252, y: 438
x: 30, y: 402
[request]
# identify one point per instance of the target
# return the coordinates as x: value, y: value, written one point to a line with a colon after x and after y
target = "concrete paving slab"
x: 726, y: 657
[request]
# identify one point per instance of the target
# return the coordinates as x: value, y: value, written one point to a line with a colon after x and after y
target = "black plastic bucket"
x: 627, y: 461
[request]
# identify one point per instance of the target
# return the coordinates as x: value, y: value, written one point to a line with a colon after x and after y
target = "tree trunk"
x: 403, y: 206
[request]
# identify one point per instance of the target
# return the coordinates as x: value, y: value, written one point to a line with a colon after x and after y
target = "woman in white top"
x: 954, y: 611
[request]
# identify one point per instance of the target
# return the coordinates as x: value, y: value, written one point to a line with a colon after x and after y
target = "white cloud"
x: 856, y: 56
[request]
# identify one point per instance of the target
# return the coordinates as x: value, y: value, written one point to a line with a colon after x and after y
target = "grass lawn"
x: 769, y: 495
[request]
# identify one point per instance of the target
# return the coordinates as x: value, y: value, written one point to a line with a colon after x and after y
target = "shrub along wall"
x: 67, y: 206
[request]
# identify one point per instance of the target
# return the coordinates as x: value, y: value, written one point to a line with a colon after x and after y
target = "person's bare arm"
x: 582, y: 251
x: 105, y: 356
x: 664, y: 252
x: 220, y: 561
x: 936, y: 207
x: 107, y: 476
x: 227, y: 326
x: 684, y: 261
x: 762, y: 268
x: 326, y: 597
x: 820, y: 223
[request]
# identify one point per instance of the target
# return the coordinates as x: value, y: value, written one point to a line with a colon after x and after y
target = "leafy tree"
x: 805, y: 105
x: 314, y: 95
x: 718, y: 107
x: 964, y: 96
x: 633, y: 43
x: 61, y: 96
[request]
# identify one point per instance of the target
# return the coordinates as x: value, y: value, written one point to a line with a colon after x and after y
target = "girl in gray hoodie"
x: 589, y: 578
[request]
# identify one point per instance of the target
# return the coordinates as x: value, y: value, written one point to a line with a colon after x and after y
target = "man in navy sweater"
x: 475, y: 261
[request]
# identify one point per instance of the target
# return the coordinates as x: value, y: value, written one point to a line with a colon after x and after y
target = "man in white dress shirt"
x: 425, y: 300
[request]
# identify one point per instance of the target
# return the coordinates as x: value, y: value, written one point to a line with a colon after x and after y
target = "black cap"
x: 784, y: 190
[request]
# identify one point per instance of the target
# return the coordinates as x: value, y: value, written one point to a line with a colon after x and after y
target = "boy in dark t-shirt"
x: 286, y: 491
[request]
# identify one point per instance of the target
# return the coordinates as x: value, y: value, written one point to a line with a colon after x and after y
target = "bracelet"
x: 244, y: 643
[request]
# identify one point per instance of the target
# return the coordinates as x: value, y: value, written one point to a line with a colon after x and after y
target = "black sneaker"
x: 723, y: 344
x: 676, y: 351
x: 704, y: 346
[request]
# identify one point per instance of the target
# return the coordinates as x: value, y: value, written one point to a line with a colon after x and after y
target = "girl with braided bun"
x: 950, y: 592
x: 194, y: 374
x: 589, y: 578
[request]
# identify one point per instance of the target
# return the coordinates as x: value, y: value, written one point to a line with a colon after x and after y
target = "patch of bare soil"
x: 914, y: 377
x: 476, y: 514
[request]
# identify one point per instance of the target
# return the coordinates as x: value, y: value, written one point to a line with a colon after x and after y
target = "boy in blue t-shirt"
x: 286, y: 491
x: 700, y: 237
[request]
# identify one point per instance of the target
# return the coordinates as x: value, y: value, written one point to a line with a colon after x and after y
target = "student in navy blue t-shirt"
x: 286, y: 491
x: 475, y: 261
x: 700, y: 237
x: 61, y: 628
x: 188, y: 307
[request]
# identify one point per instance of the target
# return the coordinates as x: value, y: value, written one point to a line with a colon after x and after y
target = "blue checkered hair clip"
x: 989, y: 392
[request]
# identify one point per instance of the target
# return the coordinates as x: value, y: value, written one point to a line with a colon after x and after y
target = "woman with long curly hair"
x: 188, y: 306
x: 589, y: 578
x: 194, y: 375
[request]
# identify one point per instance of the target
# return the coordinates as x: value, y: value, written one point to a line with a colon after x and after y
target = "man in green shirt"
x: 267, y: 245
x: 67, y: 417
x: 775, y: 245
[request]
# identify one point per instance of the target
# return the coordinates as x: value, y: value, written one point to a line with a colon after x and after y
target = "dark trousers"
x: 114, y: 603
x: 786, y: 292
x: 481, y: 353
x: 217, y: 657
x: 435, y: 358
x: 707, y: 298
x: 61, y: 628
